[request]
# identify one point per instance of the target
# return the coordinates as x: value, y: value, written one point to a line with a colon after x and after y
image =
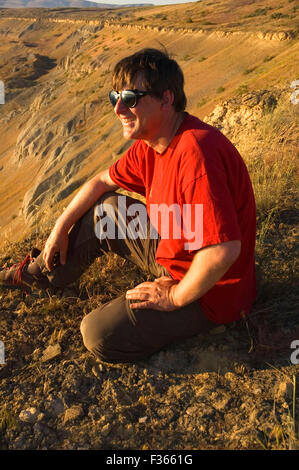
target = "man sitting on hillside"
x: 196, y: 234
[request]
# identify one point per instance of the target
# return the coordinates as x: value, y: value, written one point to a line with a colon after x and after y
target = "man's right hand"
x: 85, y: 198
x: 56, y: 243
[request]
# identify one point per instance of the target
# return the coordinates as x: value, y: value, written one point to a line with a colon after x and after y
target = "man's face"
x: 144, y: 120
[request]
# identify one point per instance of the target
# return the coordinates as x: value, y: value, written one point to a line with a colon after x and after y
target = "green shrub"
x: 277, y: 16
x: 202, y: 102
x: 247, y: 71
x: 242, y: 89
x: 268, y: 58
x: 258, y: 12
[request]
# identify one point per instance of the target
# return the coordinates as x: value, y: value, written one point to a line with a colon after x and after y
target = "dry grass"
x: 271, y: 158
x: 271, y: 155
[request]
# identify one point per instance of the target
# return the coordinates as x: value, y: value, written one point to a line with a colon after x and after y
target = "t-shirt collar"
x: 172, y: 144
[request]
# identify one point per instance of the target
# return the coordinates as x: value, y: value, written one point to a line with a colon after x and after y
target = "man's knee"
x: 98, y: 336
x: 92, y: 337
x: 109, y: 333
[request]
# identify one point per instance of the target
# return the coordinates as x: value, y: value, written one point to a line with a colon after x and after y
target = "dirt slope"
x: 57, y: 124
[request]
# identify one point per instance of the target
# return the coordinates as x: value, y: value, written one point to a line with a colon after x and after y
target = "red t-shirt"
x: 200, y: 168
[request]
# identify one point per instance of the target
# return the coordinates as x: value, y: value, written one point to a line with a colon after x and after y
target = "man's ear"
x: 168, y: 98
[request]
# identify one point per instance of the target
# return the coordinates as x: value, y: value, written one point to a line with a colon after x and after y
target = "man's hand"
x: 157, y: 295
x: 56, y: 243
x: 82, y: 202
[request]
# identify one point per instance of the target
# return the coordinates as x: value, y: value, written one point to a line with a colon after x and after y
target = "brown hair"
x: 158, y: 71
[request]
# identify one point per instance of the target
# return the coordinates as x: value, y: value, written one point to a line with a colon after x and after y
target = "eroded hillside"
x: 57, y: 125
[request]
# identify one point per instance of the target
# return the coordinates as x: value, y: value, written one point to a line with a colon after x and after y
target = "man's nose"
x: 119, y: 107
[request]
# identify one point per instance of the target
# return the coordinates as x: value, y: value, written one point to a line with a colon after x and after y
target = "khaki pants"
x: 115, y: 332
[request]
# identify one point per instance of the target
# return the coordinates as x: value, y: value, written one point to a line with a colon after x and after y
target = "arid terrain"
x: 237, y: 388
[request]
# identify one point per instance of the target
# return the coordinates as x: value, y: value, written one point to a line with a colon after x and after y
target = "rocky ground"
x: 234, y: 389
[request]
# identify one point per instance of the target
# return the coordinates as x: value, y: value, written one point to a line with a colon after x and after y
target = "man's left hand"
x: 157, y: 295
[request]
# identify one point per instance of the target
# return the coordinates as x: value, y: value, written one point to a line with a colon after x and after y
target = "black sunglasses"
x: 129, y: 98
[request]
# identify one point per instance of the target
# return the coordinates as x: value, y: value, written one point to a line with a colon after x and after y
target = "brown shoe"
x: 25, y: 275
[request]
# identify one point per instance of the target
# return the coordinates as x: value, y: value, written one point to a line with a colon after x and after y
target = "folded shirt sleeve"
x: 127, y: 171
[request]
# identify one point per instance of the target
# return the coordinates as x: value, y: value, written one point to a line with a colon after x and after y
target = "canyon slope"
x: 57, y: 126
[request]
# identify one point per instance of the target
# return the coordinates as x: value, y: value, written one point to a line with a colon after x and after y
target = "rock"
x: 73, y: 413
x: 242, y: 111
x: 65, y: 63
x: 192, y: 410
x: 222, y: 403
x: 106, y: 429
x: 142, y: 420
x: 281, y: 36
x: 40, y: 430
x: 218, y: 330
x: 285, y: 390
x: 51, y: 352
x: 42, y: 100
x: 30, y: 415
x: 55, y: 406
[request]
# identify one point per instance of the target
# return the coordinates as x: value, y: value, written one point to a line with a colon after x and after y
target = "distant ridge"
x: 50, y: 4
x: 60, y: 4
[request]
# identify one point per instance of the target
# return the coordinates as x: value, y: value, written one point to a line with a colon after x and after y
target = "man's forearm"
x: 84, y: 199
x: 208, y: 267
